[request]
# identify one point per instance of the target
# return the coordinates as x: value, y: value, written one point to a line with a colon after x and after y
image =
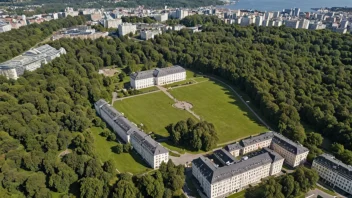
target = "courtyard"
x: 210, y: 100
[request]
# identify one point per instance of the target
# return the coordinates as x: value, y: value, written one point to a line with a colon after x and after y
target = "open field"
x: 218, y: 105
x: 153, y: 110
x: 124, y: 162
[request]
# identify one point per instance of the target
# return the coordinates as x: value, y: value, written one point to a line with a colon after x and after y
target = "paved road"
x: 244, y: 102
x: 314, y: 194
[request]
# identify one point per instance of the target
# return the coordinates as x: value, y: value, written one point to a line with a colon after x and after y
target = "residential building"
x: 294, y: 153
x: 112, y: 23
x: 150, y: 150
x: 334, y: 172
x: 180, y: 14
x: 259, y: 21
x: 296, y: 12
x: 161, y: 17
x: 5, y: 27
x: 159, y: 76
x: 292, y: 23
x: 82, y: 32
x: 29, y: 61
x: 304, y: 24
x: 70, y: 12
x: 126, y: 28
x: 149, y: 34
x: 232, y: 175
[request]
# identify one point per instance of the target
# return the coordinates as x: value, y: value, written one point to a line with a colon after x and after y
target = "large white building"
x: 126, y: 28
x: 150, y: 150
x: 30, y: 60
x: 159, y: 76
x: 334, y: 172
x: 149, y: 34
x: 112, y: 23
x: 294, y: 153
x: 231, y: 175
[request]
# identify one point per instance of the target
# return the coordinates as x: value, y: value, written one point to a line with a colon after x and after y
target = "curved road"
x: 239, y: 96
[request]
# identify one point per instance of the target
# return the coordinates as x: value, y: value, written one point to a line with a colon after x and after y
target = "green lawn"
x: 154, y: 110
x: 124, y: 162
x: 238, y: 195
x: 218, y: 105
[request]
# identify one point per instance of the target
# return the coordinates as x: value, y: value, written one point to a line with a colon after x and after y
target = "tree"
x: 288, y: 185
x: 314, y: 139
x: 91, y: 187
x: 109, y: 166
x: 127, y: 148
x: 35, y: 186
x: 118, y: 148
x: 124, y: 189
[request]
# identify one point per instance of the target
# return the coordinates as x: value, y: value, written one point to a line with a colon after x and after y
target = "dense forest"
x: 294, y: 77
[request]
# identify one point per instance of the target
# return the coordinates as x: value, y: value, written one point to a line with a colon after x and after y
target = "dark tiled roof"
x: 335, y: 165
x: 233, y: 147
x: 288, y: 144
x: 257, y: 139
x: 101, y: 103
x: 111, y: 111
x: 215, y: 174
x: 159, y: 72
x: 225, y: 157
x: 142, y: 75
x: 274, y: 155
x: 148, y: 143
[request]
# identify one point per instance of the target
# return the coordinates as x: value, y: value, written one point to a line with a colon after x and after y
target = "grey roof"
x: 215, y: 174
x: 255, y: 139
x: 335, y: 165
x: 101, y: 103
x: 158, y: 72
x: 148, y: 143
x: 288, y: 144
x: 111, y: 111
x: 30, y: 56
x: 124, y: 123
x: 142, y: 75
x: 274, y: 155
x: 233, y: 147
x: 224, y: 157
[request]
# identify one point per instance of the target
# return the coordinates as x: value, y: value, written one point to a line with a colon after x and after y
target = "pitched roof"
x: 288, y: 144
x: 224, y: 157
x: 335, y: 165
x: 233, y: 147
x: 215, y: 174
x: 148, y: 143
x: 158, y: 72
x: 256, y: 139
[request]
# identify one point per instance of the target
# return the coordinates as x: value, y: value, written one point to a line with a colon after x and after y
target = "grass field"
x: 125, y: 162
x: 218, y: 105
x: 238, y: 195
x: 153, y: 110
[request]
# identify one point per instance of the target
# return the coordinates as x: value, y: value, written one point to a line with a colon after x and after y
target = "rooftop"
x: 224, y: 157
x: 256, y: 139
x: 288, y: 144
x: 335, y: 165
x: 30, y: 56
x: 158, y: 72
x: 233, y: 147
x: 148, y: 143
x: 214, y: 174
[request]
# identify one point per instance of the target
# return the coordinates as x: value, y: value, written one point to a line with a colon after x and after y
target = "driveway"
x: 314, y: 194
